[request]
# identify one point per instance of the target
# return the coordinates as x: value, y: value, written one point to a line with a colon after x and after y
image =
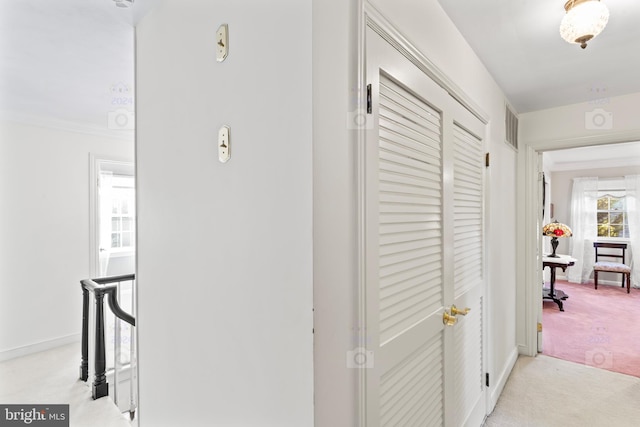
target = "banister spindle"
x: 100, y: 386
x: 84, y: 361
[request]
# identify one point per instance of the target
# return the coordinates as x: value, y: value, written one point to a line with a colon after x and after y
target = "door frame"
x: 370, y: 17
x: 528, y: 237
x: 95, y: 162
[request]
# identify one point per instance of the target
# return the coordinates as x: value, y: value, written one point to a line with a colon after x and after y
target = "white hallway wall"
x: 177, y: 121
x: 44, y: 224
x: 225, y: 250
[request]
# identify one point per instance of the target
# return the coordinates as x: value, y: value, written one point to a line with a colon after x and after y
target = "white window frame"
x: 612, y: 187
x: 98, y: 163
x: 123, y: 183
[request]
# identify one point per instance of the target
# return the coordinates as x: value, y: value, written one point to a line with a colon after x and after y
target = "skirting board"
x: 38, y: 347
x: 502, y: 380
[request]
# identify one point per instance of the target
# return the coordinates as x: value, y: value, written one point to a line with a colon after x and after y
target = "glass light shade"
x: 556, y: 229
x: 584, y: 21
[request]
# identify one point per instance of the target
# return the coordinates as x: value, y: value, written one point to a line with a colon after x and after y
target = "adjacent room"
x: 586, y: 189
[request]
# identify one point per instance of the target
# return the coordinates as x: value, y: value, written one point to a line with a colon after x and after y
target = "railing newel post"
x: 102, y: 287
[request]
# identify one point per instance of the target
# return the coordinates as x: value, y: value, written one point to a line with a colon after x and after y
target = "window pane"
x: 114, y: 206
x: 616, y: 218
x: 126, y: 224
x: 115, y: 224
x: 603, y: 217
x: 618, y: 204
x: 127, y: 239
x: 115, y: 240
x: 616, y: 231
x: 125, y: 207
x: 603, y: 203
x: 603, y: 230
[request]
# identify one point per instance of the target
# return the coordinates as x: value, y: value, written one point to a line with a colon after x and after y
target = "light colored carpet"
x: 544, y: 391
x: 51, y: 377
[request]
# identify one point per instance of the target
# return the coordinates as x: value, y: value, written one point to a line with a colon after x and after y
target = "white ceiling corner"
x: 66, y: 62
x: 520, y: 44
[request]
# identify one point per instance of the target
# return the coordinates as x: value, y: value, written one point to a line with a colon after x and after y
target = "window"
x: 122, y: 213
x: 612, y: 214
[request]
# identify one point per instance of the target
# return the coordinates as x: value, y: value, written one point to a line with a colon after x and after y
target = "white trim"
x: 528, y: 297
x: 67, y: 126
x: 361, y: 139
x: 595, y: 164
x: 40, y: 346
x: 378, y: 23
x: 94, y: 237
x: 502, y: 380
x: 585, y: 141
x: 94, y: 170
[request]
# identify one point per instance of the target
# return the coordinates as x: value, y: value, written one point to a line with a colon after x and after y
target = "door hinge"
x: 539, y: 327
x: 486, y: 160
x: 369, y: 106
x: 486, y: 379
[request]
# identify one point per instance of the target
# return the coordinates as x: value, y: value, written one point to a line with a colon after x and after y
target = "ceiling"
x: 71, y: 62
x: 66, y: 62
x: 520, y: 44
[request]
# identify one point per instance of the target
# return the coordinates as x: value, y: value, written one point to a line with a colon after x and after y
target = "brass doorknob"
x: 455, y: 310
x: 448, y: 319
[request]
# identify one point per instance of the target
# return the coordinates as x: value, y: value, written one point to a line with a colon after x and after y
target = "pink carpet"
x: 599, y: 328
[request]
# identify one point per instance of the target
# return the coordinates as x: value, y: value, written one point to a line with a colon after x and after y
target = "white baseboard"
x: 496, y: 390
x: 41, y: 346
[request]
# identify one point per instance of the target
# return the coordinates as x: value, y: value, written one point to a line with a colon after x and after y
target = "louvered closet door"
x: 424, y: 249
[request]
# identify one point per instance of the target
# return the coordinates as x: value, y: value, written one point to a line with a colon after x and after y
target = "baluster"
x: 132, y: 360
x: 100, y: 385
x: 84, y: 361
x: 117, y: 339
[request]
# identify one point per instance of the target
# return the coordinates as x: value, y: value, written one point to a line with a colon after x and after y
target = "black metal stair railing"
x: 101, y: 287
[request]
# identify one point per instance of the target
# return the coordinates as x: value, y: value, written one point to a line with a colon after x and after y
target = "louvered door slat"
x: 412, y: 378
x: 410, y: 170
x: 468, y: 214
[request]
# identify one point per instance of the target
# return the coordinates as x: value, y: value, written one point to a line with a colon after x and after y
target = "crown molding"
x: 594, y: 164
x: 66, y: 125
x: 601, y: 138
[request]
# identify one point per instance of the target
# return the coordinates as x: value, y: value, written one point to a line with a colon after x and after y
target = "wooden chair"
x: 612, y: 267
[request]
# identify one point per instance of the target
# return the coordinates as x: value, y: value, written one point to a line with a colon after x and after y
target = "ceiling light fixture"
x: 584, y: 20
x: 123, y: 3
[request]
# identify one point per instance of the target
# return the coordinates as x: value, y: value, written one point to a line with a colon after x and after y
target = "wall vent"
x: 511, y: 126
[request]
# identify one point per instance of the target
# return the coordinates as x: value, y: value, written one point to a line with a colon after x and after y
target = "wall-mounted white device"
x: 224, y: 144
x: 222, y: 42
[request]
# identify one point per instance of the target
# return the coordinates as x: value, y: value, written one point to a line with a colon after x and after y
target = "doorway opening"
x: 113, y: 254
x: 113, y: 215
x: 583, y: 333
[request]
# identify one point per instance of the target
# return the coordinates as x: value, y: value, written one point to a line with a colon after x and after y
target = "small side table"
x: 551, y: 293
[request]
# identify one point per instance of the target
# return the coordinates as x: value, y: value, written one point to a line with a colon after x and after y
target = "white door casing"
x: 424, y: 249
